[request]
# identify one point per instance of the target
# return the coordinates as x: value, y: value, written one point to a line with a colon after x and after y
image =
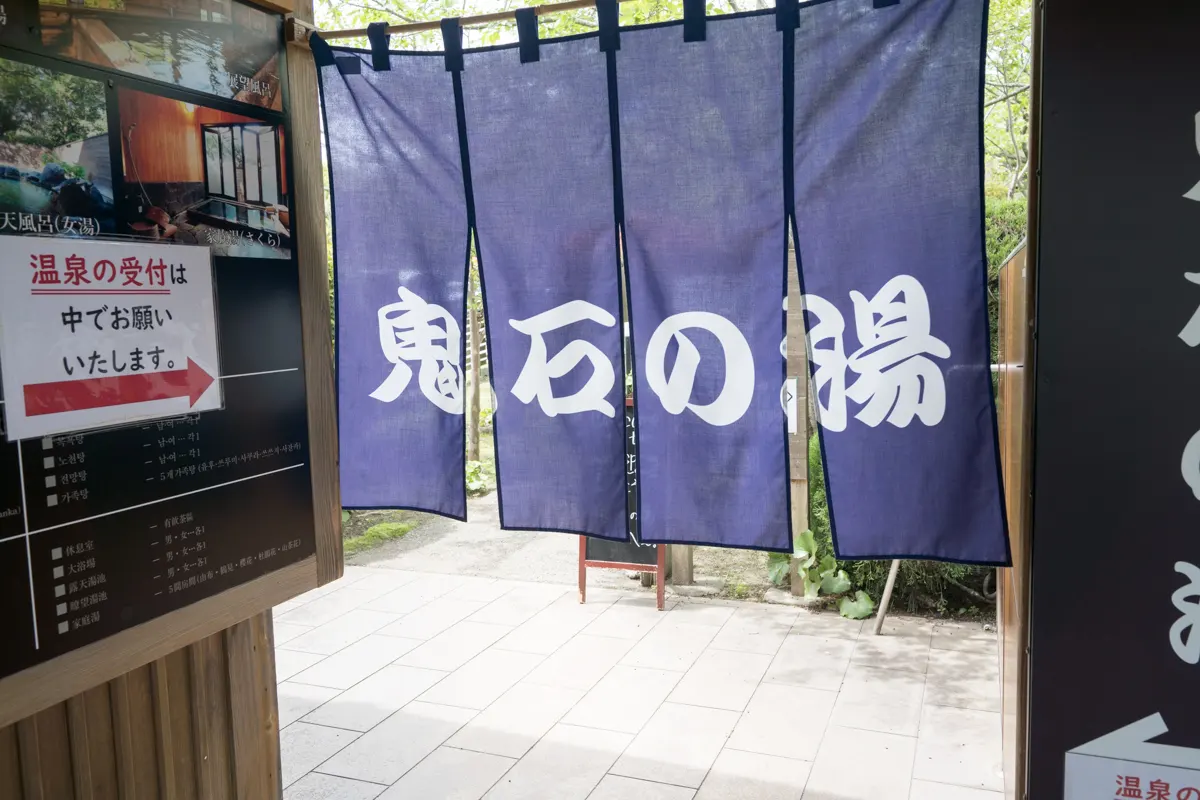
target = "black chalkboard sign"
x: 630, y: 551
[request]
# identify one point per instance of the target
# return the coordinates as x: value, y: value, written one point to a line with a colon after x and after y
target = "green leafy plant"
x: 485, y: 418
x: 477, y: 478
x: 376, y: 535
x: 860, y: 606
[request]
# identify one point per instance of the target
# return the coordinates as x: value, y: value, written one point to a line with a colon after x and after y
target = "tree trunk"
x: 473, y: 386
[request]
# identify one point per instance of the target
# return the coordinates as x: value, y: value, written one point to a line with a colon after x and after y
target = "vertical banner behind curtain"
x: 400, y: 245
x: 702, y: 163
x: 888, y: 154
x: 541, y: 172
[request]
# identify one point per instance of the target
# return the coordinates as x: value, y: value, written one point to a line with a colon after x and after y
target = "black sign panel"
x: 103, y: 530
x: 630, y: 551
x: 1116, y: 528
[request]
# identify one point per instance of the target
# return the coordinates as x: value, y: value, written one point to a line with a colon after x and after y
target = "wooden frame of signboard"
x: 41, y: 686
x: 658, y: 569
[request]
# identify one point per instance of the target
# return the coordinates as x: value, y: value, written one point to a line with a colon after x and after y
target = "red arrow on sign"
x: 117, y: 390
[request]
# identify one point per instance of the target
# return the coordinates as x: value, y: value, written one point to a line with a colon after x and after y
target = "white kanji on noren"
x: 1190, y: 465
x: 414, y: 330
x: 897, y: 380
x: 535, y: 377
x: 675, y: 391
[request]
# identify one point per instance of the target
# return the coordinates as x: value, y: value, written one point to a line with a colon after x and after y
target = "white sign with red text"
x: 94, y: 334
x: 1128, y: 764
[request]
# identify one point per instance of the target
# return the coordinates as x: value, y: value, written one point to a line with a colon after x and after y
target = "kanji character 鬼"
x: 538, y: 371
x: 76, y: 270
x: 45, y: 268
x: 675, y: 391
x: 414, y: 330
x: 71, y: 317
x: 896, y: 379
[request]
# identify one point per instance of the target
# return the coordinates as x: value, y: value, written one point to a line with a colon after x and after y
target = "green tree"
x: 1006, y: 97
x: 48, y: 109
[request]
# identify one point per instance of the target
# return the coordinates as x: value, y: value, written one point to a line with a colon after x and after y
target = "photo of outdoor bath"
x: 220, y: 47
x: 197, y: 175
x: 55, y: 170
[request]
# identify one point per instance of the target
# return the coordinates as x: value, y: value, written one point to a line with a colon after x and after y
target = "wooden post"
x: 473, y: 386
x: 681, y: 564
x: 797, y: 372
x: 886, y: 600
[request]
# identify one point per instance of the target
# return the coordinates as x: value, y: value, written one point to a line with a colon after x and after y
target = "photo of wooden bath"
x: 199, y: 175
x: 220, y: 47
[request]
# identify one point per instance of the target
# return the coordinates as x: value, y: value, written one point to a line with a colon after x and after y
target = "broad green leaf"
x: 777, y: 568
x: 345, y: 516
x: 858, y: 607
x: 812, y: 584
x: 828, y: 565
x: 805, y: 544
x: 836, y: 583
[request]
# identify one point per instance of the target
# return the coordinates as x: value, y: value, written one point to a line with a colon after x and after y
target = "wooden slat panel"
x: 252, y: 695
x: 134, y: 735
x: 173, y: 725
x: 213, y: 723
x: 93, y: 755
x: 10, y: 763
x: 46, y: 755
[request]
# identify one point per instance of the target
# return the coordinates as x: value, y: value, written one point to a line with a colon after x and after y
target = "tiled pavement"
x: 398, y: 684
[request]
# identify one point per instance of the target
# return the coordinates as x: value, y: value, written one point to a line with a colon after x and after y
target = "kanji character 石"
x: 120, y: 318
x: 535, y: 376
x: 76, y: 270
x: 414, y: 330
x: 71, y: 317
x: 45, y: 268
x: 896, y: 379
x: 102, y: 268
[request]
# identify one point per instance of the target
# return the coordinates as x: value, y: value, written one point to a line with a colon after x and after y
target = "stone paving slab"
x: 400, y: 684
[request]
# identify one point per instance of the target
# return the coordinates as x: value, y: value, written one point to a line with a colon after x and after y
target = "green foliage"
x: 477, y: 478
x: 485, y: 418
x: 860, y: 606
x: 1004, y: 229
x: 376, y: 535
x: 48, y: 109
x: 1006, y: 97
x: 345, y: 516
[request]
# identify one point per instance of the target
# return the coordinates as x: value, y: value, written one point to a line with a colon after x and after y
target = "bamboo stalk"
x: 479, y: 19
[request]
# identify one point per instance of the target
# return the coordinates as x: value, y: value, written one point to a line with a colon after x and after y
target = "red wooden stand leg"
x: 660, y: 576
x: 583, y: 571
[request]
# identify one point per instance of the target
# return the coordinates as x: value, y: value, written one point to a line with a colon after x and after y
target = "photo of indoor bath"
x: 219, y: 47
x: 198, y: 175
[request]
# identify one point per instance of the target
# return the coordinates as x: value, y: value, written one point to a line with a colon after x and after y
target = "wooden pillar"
x: 681, y: 563
x: 797, y: 372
